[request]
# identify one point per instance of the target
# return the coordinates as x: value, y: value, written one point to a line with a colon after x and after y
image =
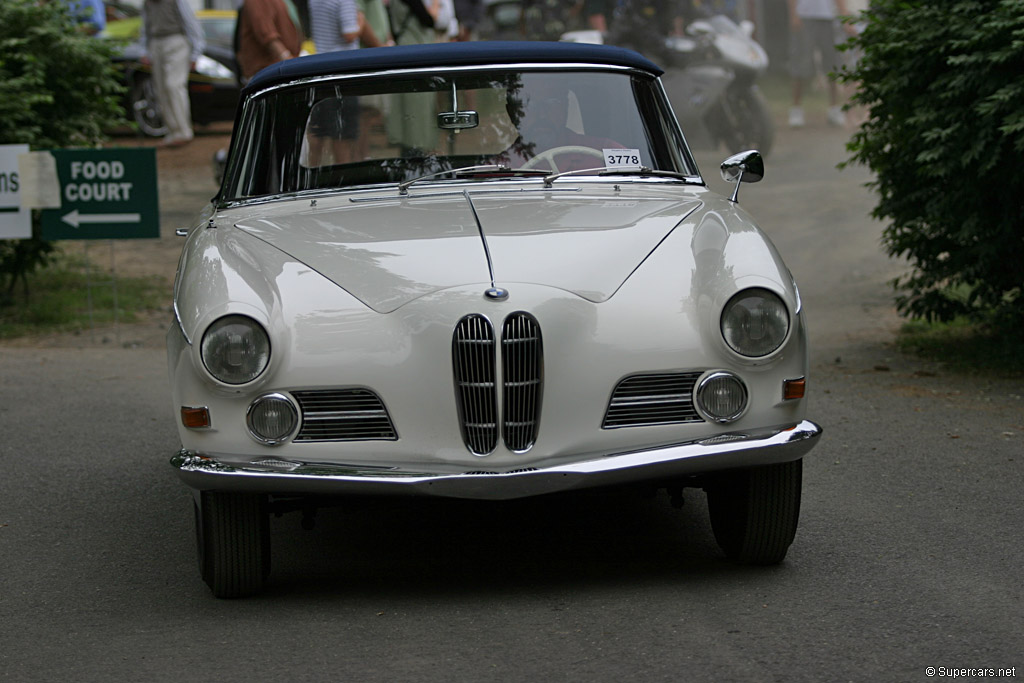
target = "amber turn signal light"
x: 195, y: 418
x: 793, y: 388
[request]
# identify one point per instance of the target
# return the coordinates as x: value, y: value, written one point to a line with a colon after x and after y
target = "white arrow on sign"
x: 74, y: 218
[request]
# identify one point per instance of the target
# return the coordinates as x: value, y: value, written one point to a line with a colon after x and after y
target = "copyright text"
x: 970, y: 672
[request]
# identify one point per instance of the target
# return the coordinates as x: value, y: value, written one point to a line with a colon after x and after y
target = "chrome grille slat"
x: 653, y: 399
x: 474, y: 367
x: 343, y: 415
x: 522, y: 371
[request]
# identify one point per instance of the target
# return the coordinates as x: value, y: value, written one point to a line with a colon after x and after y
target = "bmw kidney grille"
x: 475, y: 362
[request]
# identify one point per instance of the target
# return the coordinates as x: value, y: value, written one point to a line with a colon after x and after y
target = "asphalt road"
x: 908, y: 556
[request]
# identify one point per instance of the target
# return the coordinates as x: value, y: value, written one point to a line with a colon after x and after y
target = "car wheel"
x: 754, y: 512
x: 145, y: 109
x: 233, y: 542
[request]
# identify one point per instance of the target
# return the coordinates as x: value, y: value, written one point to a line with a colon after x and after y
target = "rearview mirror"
x: 457, y: 120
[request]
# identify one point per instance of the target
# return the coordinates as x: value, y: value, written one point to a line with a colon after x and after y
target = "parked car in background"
x: 213, y: 83
x: 455, y: 270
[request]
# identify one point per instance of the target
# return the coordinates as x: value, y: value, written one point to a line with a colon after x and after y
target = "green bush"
x: 943, y: 86
x: 58, y: 88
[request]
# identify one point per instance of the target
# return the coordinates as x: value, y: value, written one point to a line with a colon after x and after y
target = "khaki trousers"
x: 172, y: 57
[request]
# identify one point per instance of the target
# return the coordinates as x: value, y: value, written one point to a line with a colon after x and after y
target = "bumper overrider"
x: 289, y: 477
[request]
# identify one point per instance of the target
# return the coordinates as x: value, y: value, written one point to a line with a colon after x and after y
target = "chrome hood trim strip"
x: 724, y: 451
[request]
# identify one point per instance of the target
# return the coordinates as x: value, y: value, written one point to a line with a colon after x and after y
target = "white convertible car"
x: 479, y: 270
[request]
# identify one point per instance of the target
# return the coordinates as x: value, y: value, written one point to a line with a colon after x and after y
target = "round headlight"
x: 235, y: 349
x: 272, y: 418
x: 722, y: 396
x: 755, y: 322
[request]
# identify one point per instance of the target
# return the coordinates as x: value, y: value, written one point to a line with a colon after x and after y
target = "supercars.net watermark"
x: 970, y: 672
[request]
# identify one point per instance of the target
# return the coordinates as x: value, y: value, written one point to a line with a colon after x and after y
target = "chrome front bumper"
x: 723, y: 452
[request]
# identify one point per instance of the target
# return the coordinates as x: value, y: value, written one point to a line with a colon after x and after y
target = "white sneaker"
x: 176, y: 140
x: 796, y: 117
x: 836, y: 117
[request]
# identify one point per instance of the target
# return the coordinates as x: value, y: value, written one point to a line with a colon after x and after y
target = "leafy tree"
x: 58, y: 88
x: 943, y: 85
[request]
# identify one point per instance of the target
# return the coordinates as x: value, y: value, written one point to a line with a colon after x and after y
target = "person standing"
x: 172, y: 40
x: 598, y: 14
x: 374, y: 30
x: 411, y: 119
x: 90, y: 15
x: 413, y: 21
x: 334, y: 25
x: 332, y: 131
x: 469, y: 14
x: 812, y: 31
x: 268, y: 32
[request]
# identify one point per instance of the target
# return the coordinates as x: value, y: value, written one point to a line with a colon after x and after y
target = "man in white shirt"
x: 812, y: 28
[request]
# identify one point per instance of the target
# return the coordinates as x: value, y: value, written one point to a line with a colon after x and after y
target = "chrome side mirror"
x: 745, y: 167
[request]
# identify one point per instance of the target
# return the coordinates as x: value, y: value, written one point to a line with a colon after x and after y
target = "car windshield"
x: 358, y: 131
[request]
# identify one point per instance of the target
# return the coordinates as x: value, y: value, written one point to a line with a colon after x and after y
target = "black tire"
x: 745, y: 121
x: 145, y: 110
x: 754, y: 512
x: 233, y: 542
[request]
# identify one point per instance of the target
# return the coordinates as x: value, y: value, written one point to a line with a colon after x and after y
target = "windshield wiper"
x: 616, y: 170
x: 403, y: 187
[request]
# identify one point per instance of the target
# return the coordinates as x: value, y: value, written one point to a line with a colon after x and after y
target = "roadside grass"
x: 72, y: 295
x: 965, y: 347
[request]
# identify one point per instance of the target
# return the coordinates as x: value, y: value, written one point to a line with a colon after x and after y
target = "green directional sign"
x: 104, y: 194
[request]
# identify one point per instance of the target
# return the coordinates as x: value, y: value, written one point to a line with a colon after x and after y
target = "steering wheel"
x: 549, y: 155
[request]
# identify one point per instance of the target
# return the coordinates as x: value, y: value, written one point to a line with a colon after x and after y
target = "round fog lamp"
x: 722, y: 396
x: 272, y: 418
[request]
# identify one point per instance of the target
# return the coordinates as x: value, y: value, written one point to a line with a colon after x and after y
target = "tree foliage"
x: 943, y: 85
x: 58, y: 88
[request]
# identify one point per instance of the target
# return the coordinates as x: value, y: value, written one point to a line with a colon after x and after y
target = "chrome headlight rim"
x: 700, y: 401
x: 207, y: 349
x: 741, y: 348
x: 285, y: 436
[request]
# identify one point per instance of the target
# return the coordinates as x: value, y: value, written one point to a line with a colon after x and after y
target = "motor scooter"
x: 711, y: 79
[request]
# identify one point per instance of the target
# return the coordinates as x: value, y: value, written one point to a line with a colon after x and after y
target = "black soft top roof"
x: 445, y: 55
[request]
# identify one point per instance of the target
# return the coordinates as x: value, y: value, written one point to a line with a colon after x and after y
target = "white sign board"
x: 15, y: 221
x: 622, y: 158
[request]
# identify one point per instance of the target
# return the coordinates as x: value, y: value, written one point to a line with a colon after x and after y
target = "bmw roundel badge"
x: 496, y: 294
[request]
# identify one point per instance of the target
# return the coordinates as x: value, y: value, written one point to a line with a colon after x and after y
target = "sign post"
x: 104, y: 194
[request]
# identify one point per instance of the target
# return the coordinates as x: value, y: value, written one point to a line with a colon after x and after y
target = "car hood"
x: 391, y: 251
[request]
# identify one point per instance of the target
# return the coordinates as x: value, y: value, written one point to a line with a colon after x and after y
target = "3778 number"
x: 622, y: 160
